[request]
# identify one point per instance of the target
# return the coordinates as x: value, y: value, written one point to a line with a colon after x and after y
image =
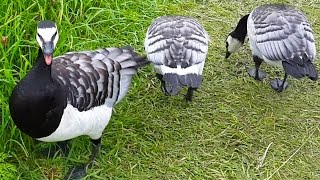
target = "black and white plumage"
x: 177, y: 46
x: 73, y: 94
x: 281, y: 36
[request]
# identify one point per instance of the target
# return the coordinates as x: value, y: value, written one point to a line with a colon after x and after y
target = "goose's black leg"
x: 280, y: 85
x: 255, y: 72
x: 59, y: 146
x: 77, y: 173
x: 160, y: 77
x: 189, y: 94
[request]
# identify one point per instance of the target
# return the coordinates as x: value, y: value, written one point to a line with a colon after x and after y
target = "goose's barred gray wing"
x: 176, y: 40
x: 283, y: 33
x: 177, y: 46
x: 93, y: 78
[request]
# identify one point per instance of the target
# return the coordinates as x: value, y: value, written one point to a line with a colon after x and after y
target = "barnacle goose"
x: 177, y: 46
x: 281, y: 36
x: 73, y: 94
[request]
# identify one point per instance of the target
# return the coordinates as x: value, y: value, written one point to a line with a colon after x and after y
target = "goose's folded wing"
x: 171, y: 40
x: 92, y: 78
x: 283, y: 36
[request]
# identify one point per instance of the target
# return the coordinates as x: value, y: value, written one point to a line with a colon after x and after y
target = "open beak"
x: 48, y: 51
x: 227, y: 55
x: 48, y: 59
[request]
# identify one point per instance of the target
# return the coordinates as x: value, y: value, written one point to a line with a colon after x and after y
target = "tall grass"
x: 83, y: 25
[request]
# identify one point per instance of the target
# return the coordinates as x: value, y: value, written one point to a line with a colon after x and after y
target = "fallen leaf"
x: 4, y: 40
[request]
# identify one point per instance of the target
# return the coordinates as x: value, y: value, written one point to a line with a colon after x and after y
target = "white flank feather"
x: 74, y: 123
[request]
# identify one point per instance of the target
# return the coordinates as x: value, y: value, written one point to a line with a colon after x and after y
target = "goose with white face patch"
x: 72, y: 95
x: 281, y: 36
x: 177, y: 46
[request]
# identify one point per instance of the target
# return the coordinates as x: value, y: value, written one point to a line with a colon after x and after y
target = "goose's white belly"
x: 273, y: 63
x: 75, y: 123
x: 194, y: 69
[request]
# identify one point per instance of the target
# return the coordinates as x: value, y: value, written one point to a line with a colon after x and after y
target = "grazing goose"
x: 73, y: 94
x: 177, y: 46
x: 281, y: 36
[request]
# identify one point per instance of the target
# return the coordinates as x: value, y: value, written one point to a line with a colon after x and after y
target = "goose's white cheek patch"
x: 234, y: 44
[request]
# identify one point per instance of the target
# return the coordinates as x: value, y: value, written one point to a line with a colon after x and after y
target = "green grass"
x: 223, y: 134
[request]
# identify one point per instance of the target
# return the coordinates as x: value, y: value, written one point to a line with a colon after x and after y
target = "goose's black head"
x: 47, y: 38
x: 236, y: 38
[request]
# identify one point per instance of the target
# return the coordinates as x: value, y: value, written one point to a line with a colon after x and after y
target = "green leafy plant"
x: 7, y: 171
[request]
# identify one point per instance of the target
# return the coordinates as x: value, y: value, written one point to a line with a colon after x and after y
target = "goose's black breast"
x: 36, y: 106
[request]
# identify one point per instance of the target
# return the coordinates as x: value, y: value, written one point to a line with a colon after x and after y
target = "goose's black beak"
x: 227, y: 55
x: 48, y: 51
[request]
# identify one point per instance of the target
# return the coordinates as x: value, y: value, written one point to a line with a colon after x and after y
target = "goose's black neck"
x: 40, y: 64
x: 241, y: 30
x: 37, y: 102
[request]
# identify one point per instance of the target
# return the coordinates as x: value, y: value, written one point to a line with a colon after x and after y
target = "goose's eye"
x: 40, y: 37
x: 54, y: 36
